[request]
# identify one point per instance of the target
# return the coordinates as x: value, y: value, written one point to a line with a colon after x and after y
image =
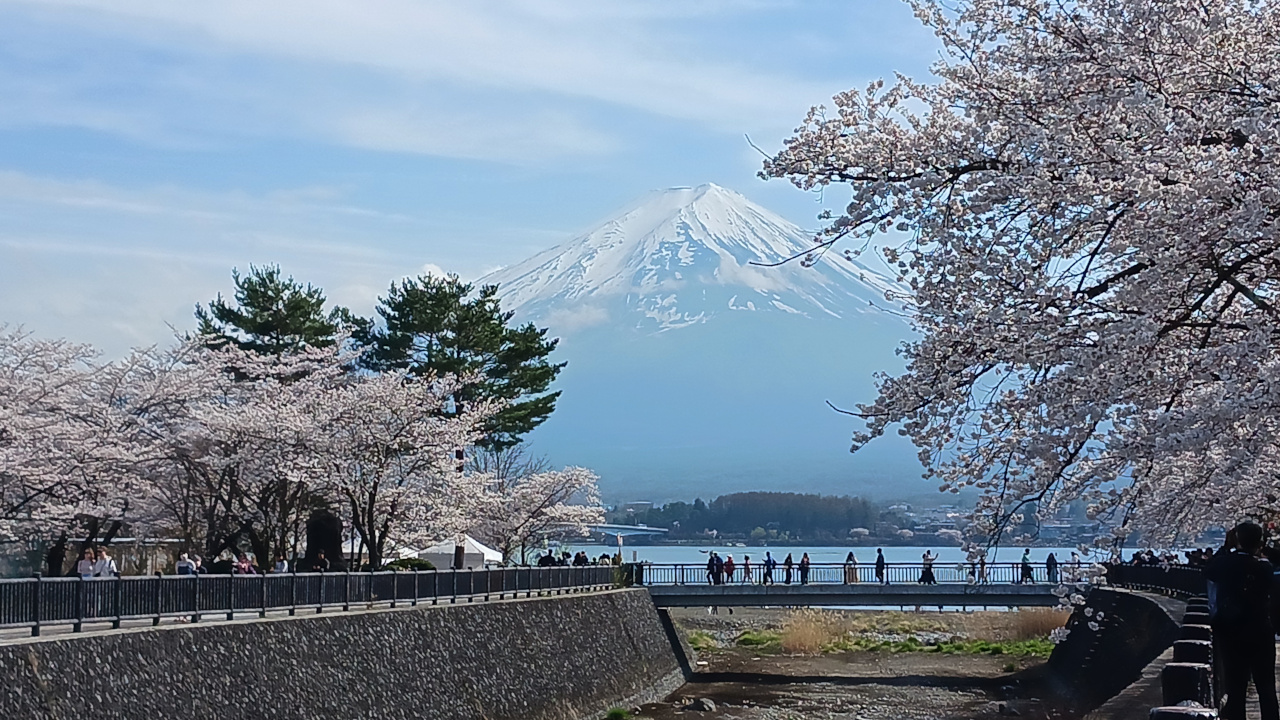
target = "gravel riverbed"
x: 753, y: 683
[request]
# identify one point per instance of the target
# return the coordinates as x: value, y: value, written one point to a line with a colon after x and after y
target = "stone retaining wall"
x: 558, y: 658
x: 1090, y: 666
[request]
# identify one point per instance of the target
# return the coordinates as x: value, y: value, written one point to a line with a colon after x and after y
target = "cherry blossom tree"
x: 385, y: 448
x: 525, y: 501
x: 223, y: 445
x: 52, y: 447
x: 1085, y: 204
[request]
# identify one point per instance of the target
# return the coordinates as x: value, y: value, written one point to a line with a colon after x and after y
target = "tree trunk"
x: 56, y: 557
x: 261, y: 547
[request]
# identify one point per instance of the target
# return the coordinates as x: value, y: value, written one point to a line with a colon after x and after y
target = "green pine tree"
x: 442, y: 325
x: 273, y: 314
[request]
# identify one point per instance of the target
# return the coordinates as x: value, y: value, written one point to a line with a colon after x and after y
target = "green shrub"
x: 617, y: 714
x: 409, y: 564
x: 761, y: 639
x: 702, y: 641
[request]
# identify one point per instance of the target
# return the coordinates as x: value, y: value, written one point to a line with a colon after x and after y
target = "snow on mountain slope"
x: 680, y: 257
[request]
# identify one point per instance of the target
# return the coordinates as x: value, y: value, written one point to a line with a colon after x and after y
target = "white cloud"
x: 572, y: 319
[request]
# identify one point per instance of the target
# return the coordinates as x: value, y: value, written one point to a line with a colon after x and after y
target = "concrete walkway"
x: 1145, y: 693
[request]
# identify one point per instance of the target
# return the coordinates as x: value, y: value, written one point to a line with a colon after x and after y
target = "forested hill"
x: 759, y: 516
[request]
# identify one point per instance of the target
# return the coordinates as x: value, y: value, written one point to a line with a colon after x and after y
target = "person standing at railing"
x: 281, y: 566
x: 1051, y: 568
x: 105, y: 565
x: 1239, y: 611
x: 850, y: 569
x: 746, y: 569
x: 84, y: 566
x: 711, y: 569
x: 926, y: 570
x: 804, y: 569
x: 787, y: 565
x: 320, y: 564
x: 243, y: 566
x: 184, y: 566
x: 881, y: 568
x: 729, y: 567
x: 982, y: 569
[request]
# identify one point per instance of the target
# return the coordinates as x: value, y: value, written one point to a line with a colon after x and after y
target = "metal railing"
x: 839, y: 574
x: 38, y: 601
x: 1180, y: 580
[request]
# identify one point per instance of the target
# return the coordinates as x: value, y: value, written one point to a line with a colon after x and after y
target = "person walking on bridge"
x: 729, y: 567
x: 1028, y: 572
x: 746, y: 569
x: 881, y: 568
x: 769, y: 565
x: 711, y: 569
x: 1239, y: 611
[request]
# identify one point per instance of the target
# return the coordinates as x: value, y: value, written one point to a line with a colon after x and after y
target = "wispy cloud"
x: 509, y: 81
x: 113, y: 265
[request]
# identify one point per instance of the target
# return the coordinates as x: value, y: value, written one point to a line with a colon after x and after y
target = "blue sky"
x: 148, y: 146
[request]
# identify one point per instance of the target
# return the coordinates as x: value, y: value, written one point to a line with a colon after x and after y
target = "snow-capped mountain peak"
x: 682, y: 256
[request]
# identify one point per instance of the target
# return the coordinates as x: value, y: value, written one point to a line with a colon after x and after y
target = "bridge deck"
x: 997, y: 594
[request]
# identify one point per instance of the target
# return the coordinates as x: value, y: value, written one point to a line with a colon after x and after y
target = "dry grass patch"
x: 807, y: 632
x: 1032, y: 623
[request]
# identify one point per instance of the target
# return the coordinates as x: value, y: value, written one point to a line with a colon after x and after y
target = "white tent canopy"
x: 475, y: 554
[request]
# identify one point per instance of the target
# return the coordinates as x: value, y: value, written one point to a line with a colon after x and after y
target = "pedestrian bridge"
x: 836, y: 585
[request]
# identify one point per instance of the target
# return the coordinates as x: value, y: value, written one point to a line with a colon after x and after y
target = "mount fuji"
x: 694, y: 372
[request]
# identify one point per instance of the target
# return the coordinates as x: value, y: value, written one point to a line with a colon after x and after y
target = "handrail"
x: 39, y: 601
x: 841, y: 574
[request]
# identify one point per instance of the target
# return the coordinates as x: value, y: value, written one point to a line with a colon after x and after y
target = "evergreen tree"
x: 273, y: 314
x: 442, y: 325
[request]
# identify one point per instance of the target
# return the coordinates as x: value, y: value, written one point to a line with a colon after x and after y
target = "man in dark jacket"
x: 1239, y: 611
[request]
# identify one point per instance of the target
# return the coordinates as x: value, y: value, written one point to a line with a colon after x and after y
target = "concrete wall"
x: 1091, y: 666
x: 556, y: 658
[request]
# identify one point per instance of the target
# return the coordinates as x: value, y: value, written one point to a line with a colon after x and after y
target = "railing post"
x: 231, y: 596
x: 293, y: 591
x: 320, y: 599
x: 119, y: 588
x: 79, y: 623
x: 35, y: 606
x: 346, y: 591
x: 158, y: 579
x: 195, y: 597
x: 263, y: 612
x: 395, y: 588
x: 415, y: 588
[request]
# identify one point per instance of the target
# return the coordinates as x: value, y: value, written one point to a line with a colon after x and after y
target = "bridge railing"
x: 39, y: 601
x: 839, y: 574
x: 1181, y: 580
